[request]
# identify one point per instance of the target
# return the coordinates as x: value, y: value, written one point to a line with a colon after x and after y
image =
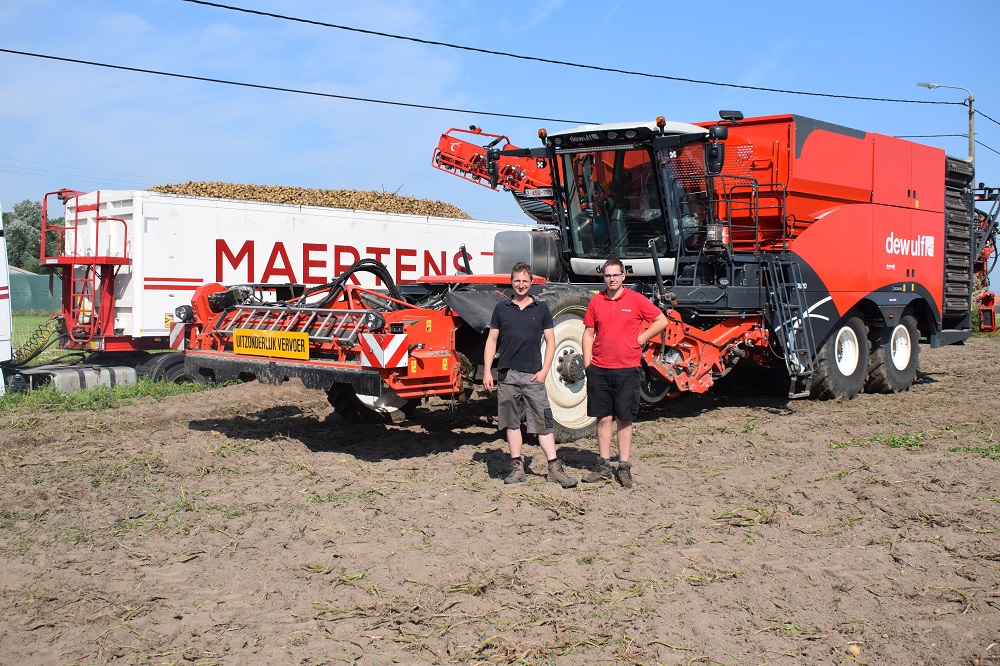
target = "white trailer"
x: 129, y: 258
x: 6, y: 324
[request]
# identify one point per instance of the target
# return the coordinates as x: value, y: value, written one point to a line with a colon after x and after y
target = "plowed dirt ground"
x: 249, y: 525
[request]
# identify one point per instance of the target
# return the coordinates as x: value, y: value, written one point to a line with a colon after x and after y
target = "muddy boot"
x: 558, y: 475
x: 602, y: 471
x: 625, y: 474
x: 516, y: 474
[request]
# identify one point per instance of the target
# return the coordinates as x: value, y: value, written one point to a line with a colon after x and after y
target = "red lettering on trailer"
x: 221, y: 249
x: 431, y: 267
x: 315, y: 263
x: 400, y: 266
x: 273, y: 269
x: 378, y: 253
x: 456, y: 261
x: 308, y: 263
x: 339, y: 267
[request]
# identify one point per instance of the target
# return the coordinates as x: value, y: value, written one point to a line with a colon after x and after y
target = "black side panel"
x: 475, y: 307
x: 806, y: 126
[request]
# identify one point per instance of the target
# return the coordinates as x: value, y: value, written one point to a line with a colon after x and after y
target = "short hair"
x: 613, y: 262
x: 521, y: 267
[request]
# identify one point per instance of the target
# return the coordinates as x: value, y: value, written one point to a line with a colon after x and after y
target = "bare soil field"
x: 249, y: 525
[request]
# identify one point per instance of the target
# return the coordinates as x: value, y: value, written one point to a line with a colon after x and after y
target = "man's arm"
x: 550, y: 353
x: 488, y: 353
x: 588, y: 346
x: 654, y: 329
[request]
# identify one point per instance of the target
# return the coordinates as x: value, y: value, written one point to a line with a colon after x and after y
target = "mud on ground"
x: 248, y: 525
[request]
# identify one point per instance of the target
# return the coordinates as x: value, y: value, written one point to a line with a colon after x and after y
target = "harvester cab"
x: 624, y: 189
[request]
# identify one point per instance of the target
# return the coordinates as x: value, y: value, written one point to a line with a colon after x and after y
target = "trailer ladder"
x: 341, y: 326
x: 787, y: 301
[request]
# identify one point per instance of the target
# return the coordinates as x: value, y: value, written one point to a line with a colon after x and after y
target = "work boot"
x: 602, y: 470
x: 558, y: 475
x: 625, y: 474
x: 516, y: 474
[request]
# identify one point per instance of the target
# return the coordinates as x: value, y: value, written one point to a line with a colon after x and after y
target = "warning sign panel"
x: 282, y: 344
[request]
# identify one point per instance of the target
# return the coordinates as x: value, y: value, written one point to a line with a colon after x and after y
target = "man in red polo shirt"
x: 612, y: 354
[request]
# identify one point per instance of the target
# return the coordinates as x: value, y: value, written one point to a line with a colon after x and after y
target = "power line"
x: 560, y: 62
x: 61, y: 166
x: 312, y: 93
x: 987, y: 117
x: 992, y: 150
x: 928, y: 136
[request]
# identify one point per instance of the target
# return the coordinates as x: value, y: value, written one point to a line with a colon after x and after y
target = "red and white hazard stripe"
x: 176, y: 335
x: 390, y: 352
x: 4, y: 293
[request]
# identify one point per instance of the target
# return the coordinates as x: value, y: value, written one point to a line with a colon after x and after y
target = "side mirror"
x: 718, y: 132
x: 715, y: 157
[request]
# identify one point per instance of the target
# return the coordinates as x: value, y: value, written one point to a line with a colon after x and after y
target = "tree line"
x: 23, y: 230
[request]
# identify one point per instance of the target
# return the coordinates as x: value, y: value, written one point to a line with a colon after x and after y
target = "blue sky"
x: 87, y: 128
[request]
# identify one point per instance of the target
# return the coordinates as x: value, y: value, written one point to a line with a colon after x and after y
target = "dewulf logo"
x: 921, y: 246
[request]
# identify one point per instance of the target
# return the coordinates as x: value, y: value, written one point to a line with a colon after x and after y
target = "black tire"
x: 894, y: 358
x: 842, y: 361
x: 566, y: 384
x: 177, y: 374
x: 351, y: 408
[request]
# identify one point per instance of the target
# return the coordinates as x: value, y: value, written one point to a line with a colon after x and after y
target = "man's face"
x: 521, y: 283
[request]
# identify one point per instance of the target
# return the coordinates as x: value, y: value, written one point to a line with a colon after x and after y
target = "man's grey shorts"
x: 516, y: 392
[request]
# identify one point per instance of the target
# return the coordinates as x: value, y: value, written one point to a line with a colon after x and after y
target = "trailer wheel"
x: 895, y: 359
x: 176, y: 374
x: 351, y: 408
x: 842, y: 362
x: 566, y: 383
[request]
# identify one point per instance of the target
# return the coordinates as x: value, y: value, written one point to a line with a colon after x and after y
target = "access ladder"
x: 788, y: 305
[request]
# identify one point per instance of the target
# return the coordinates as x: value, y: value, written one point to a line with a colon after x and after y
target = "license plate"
x: 280, y: 344
x: 538, y: 193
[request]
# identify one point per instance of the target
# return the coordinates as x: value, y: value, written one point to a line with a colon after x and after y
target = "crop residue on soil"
x: 250, y: 525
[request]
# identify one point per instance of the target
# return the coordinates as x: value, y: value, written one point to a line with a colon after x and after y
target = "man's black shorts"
x: 613, y: 392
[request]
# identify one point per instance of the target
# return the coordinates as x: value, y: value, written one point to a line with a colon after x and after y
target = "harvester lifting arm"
x: 498, y: 163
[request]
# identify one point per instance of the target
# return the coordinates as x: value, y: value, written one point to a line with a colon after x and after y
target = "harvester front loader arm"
x: 692, y: 359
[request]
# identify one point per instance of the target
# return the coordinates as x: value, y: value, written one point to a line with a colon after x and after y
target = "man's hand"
x: 539, y: 377
x: 488, y: 383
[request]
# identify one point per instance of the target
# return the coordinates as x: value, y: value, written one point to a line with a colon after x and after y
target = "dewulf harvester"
x: 781, y: 240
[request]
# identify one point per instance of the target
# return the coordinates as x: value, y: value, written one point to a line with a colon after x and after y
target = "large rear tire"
x: 566, y: 383
x: 895, y: 358
x: 842, y: 361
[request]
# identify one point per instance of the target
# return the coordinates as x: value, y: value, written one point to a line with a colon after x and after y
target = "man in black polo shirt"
x: 518, y: 325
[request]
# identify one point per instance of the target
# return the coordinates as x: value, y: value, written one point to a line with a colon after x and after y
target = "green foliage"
x: 893, y: 441
x: 48, y: 399
x: 23, y: 231
x: 992, y: 452
x: 26, y: 325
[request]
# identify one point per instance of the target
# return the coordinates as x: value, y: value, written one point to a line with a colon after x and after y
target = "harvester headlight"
x: 184, y: 314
